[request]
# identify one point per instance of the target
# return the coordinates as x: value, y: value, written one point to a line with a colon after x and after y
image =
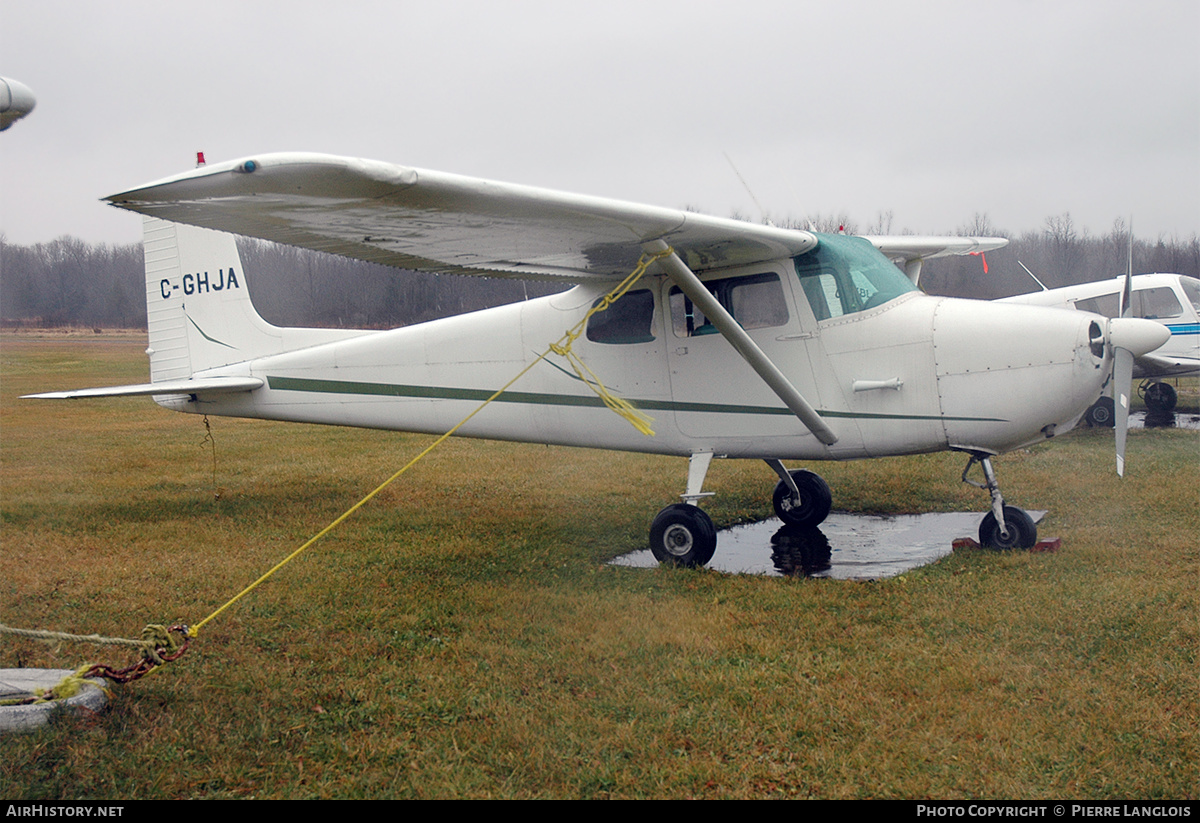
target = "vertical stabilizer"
x: 198, y: 307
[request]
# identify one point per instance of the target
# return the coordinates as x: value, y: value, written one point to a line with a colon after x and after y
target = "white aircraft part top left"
x: 433, y: 221
x: 16, y: 101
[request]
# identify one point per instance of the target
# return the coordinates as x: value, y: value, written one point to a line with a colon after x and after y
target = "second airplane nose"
x: 1136, y: 335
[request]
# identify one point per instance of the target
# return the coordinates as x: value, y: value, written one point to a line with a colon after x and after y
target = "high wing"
x: 205, y: 385
x: 432, y: 221
x: 909, y: 251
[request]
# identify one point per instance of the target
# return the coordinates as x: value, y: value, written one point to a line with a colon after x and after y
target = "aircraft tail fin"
x: 198, y: 307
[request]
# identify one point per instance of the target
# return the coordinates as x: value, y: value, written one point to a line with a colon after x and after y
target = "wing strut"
x: 690, y: 285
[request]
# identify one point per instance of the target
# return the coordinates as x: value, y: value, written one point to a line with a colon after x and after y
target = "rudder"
x: 198, y: 308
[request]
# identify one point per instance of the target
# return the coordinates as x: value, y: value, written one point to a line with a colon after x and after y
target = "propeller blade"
x: 1122, y: 380
x: 1129, y: 337
x: 1127, y: 289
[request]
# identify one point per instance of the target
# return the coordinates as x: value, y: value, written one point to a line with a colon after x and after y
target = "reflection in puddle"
x: 1163, y: 420
x: 801, y: 551
x: 847, y: 546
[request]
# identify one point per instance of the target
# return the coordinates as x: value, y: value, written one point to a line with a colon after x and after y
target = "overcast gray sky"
x: 934, y: 110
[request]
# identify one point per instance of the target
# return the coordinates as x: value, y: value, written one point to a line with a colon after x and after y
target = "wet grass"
x: 461, y: 636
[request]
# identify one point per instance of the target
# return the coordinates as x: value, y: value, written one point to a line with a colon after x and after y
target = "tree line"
x: 68, y: 282
x: 1059, y: 254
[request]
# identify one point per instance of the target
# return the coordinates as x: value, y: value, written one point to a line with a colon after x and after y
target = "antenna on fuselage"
x: 761, y: 211
x: 1034, y: 276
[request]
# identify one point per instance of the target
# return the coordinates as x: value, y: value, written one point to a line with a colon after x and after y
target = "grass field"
x: 462, y: 637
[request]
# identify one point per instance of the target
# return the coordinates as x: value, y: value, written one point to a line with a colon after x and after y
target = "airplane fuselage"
x: 913, y: 374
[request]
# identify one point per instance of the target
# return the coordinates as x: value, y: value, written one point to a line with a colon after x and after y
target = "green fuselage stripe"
x: 305, y: 384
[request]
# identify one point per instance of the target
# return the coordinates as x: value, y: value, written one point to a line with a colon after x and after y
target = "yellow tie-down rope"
x: 563, y: 348
x: 165, y: 650
x: 638, y: 419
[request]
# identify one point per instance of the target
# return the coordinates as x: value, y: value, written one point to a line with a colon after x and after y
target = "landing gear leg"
x: 1004, y: 527
x: 682, y: 534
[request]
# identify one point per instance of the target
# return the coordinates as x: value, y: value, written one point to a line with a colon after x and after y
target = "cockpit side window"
x: 628, y: 320
x: 843, y: 275
x: 1156, y: 304
x: 756, y: 301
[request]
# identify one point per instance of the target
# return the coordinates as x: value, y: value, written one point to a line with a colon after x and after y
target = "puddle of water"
x: 847, y: 546
x: 1163, y: 420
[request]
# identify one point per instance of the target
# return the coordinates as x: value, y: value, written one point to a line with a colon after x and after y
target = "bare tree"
x: 1066, y: 252
x: 980, y: 225
x: 882, y: 224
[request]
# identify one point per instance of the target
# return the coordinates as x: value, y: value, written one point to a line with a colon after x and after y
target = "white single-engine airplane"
x: 1170, y: 299
x: 743, y: 340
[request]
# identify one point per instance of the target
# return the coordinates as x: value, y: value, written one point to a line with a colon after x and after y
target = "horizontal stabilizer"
x: 914, y: 246
x: 910, y: 251
x: 207, y: 385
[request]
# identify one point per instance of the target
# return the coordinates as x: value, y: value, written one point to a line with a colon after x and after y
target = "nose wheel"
x: 1019, y: 532
x: 1004, y: 527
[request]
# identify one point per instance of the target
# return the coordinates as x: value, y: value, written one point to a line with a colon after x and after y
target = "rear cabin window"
x: 1105, y: 304
x: 844, y: 274
x: 755, y: 301
x: 1153, y: 304
x: 628, y: 320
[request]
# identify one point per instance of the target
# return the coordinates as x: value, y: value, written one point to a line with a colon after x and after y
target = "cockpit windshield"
x: 845, y: 274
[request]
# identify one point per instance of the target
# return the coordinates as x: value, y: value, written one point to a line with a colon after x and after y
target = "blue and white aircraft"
x: 1170, y: 299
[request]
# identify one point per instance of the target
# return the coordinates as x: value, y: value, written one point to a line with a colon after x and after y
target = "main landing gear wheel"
x: 1100, y: 414
x: 1160, y: 397
x: 1021, y: 530
x: 811, y: 507
x: 683, y: 535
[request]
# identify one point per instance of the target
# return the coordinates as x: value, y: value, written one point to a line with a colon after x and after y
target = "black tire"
x: 683, y: 535
x: 814, y: 504
x: 1022, y: 531
x: 1160, y: 397
x: 1101, y: 414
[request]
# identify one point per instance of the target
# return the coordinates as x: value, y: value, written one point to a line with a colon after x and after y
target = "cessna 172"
x: 1170, y: 299
x: 747, y: 341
